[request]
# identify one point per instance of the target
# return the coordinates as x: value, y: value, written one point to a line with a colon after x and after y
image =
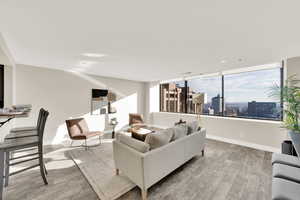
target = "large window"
x: 205, y: 95
x: 245, y: 95
x: 248, y: 94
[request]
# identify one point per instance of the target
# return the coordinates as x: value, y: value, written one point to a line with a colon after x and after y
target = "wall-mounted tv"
x: 97, y: 93
x: 99, y: 101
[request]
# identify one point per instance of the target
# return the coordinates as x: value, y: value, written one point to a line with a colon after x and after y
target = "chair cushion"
x: 285, y: 190
x: 92, y: 134
x: 77, y: 127
x: 286, y: 160
x: 179, y: 131
x: 286, y: 172
x: 21, y: 134
x: 23, y: 129
x: 192, y: 127
x: 138, y: 125
x: 135, y: 119
x: 133, y: 143
x: 160, y: 138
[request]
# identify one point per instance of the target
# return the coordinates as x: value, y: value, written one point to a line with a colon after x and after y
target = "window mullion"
x: 223, y: 96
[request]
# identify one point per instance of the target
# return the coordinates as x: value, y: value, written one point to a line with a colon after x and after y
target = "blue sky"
x: 242, y: 87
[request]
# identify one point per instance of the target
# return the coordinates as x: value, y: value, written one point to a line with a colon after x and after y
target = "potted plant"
x: 290, y: 95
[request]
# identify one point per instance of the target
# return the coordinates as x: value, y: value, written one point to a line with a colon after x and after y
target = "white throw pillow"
x: 160, y: 138
x: 179, y: 131
x: 134, y: 143
x: 192, y: 127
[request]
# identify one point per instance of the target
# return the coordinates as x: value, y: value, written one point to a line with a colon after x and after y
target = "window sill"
x: 224, y: 118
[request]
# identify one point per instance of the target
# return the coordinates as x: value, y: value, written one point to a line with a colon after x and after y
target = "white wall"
x: 151, y: 100
x: 68, y: 95
x: 293, y: 67
x: 8, y: 84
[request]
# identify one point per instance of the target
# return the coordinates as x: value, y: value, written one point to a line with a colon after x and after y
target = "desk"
x: 11, y: 115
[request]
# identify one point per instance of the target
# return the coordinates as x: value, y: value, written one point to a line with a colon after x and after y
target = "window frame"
x: 223, y: 99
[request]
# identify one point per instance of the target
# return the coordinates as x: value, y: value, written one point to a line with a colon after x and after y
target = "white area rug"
x: 97, y: 166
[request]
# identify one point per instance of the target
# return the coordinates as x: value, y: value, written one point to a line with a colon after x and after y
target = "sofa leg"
x: 202, y: 152
x: 117, y: 172
x: 144, y: 194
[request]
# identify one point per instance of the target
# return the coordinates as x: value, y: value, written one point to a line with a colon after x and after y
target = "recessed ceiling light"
x: 94, y: 55
x: 187, y: 73
x: 85, y: 63
x: 223, y: 61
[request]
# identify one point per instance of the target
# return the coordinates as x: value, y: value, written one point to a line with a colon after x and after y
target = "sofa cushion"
x: 134, y: 143
x: 284, y: 189
x: 286, y: 172
x: 179, y: 131
x: 286, y: 160
x: 160, y: 138
x: 192, y: 127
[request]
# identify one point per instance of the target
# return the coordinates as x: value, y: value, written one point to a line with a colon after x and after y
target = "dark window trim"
x: 2, y: 85
x: 186, y: 96
x: 223, y: 97
x: 281, y: 86
x: 223, y: 101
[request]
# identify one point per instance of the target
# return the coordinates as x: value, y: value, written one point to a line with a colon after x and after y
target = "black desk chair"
x: 33, y: 141
x: 28, y: 131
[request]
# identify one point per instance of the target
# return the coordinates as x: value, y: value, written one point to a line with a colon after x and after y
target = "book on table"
x: 143, y: 131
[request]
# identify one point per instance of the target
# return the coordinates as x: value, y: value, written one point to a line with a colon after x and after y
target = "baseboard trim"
x: 246, y: 144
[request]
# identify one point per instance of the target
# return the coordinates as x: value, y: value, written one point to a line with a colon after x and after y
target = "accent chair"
x: 78, y: 130
x: 136, y: 121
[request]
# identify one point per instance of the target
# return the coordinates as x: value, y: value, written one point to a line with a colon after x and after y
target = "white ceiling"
x: 150, y: 40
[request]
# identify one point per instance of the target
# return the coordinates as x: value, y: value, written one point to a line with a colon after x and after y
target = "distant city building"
x: 216, y: 104
x: 232, y: 111
x: 261, y: 109
x: 172, y: 98
x: 196, y: 102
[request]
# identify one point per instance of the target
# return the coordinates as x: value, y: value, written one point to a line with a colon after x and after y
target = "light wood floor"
x: 225, y: 172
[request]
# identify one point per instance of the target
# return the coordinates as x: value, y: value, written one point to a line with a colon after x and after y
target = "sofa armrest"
x: 161, y: 161
x: 129, y: 162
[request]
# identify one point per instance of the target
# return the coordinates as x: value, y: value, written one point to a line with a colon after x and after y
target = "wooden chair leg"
x: 144, y: 194
x: 42, y: 166
x: 117, y: 172
x: 2, y: 160
x: 7, y: 157
x: 71, y: 143
x: 46, y: 172
x: 202, y: 152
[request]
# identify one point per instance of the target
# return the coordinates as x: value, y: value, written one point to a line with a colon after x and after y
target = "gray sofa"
x: 286, y: 177
x: 146, y: 167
